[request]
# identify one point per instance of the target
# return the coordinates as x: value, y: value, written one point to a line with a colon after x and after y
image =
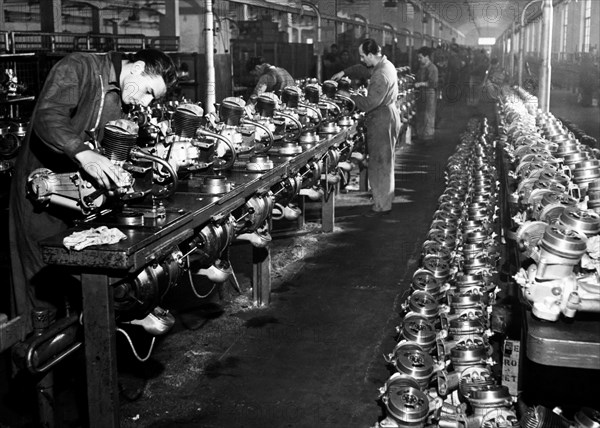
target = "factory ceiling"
x: 482, y: 18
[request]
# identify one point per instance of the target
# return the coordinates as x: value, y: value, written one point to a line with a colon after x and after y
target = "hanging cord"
x: 192, y: 282
x: 136, y: 355
x: 120, y: 330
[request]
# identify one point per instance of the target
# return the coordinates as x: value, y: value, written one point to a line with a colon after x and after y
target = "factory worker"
x: 383, y: 124
x: 82, y: 92
x: 269, y: 78
x: 427, y: 82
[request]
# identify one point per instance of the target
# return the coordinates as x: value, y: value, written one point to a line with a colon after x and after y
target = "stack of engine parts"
x: 443, y: 358
x: 555, y: 208
x: 406, y: 94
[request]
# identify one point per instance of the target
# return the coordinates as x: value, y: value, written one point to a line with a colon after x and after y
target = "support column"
x: 96, y: 20
x: 51, y: 16
x: 261, y: 276
x: 2, y: 17
x: 511, y: 60
x: 328, y: 212
x: 168, y: 24
x: 100, y: 351
x: 546, y: 68
x: 211, y: 90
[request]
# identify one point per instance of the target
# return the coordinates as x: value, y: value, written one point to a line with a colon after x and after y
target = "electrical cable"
x: 192, y: 283
x: 135, y: 354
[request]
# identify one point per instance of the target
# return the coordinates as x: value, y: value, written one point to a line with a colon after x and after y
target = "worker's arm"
x: 431, y: 79
x: 356, y: 71
x: 57, y: 102
x: 265, y: 82
x: 378, y: 88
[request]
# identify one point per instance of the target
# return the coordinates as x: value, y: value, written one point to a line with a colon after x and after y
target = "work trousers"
x: 383, y: 128
x: 426, y: 106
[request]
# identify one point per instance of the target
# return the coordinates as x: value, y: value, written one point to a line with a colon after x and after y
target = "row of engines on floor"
x: 443, y: 359
x: 555, y: 180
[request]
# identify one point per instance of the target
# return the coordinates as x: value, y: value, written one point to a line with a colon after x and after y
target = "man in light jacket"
x: 383, y: 124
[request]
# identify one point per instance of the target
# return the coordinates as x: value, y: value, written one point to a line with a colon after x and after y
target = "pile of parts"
x: 444, y: 361
x: 555, y: 206
x: 444, y: 370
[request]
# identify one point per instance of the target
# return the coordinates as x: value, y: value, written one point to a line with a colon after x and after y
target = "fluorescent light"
x: 487, y: 41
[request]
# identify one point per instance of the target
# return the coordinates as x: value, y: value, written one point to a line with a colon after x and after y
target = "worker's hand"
x: 338, y: 75
x: 102, y: 169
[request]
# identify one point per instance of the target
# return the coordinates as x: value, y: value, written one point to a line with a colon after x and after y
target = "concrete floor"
x: 313, y: 358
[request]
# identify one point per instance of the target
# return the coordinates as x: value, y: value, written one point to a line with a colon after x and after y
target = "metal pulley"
x: 424, y: 280
x: 419, y: 330
x: 466, y: 325
x: 412, y: 360
x: 488, y: 397
x: 455, y: 209
x: 405, y: 404
x: 474, y: 226
x: 423, y: 304
x: 445, y: 197
x: 477, y: 264
x: 586, y: 171
x: 446, y: 226
x: 437, y: 266
x: 468, y: 353
x: 583, y: 221
x: 433, y: 248
x: 560, y: 250
x: 552, y: 205
x: 477, y: 237
x: 460, y: 301
x: 441, y: 238
x: 563, y: 242
x: 529, y: 235
x: 473, y: 250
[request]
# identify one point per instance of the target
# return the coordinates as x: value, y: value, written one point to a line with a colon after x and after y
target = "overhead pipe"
x: 546, y: 68
x: 522, y: 42
x: 211, y: 85
x: 393, y: 31
x: 315, y: 9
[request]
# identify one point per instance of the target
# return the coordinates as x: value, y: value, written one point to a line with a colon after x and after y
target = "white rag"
x: 95, y: 236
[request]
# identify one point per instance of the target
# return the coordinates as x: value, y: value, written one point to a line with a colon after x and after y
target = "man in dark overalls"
x: 82, y: 92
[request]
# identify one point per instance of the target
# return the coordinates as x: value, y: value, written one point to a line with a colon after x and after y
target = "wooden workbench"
x: 98, y: 264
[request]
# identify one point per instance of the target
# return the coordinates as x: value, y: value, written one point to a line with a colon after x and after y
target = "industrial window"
x: 565, y: 28
x: 587, y: 20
